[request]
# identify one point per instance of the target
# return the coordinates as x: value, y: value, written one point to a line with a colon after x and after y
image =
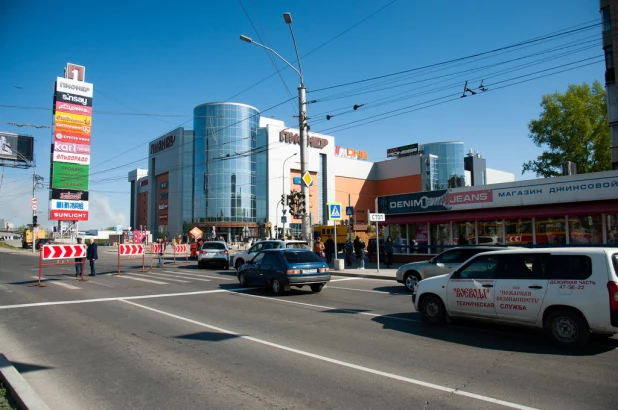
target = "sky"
x: 404, y: 61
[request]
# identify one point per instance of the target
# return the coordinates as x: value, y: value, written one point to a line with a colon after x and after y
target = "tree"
x: 573, y: 126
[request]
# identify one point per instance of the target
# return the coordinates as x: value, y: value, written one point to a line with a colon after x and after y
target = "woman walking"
x: 388, y: 249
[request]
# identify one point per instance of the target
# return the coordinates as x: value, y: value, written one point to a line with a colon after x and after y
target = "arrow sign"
x: 181, y: 249
x: 129, y: 249
x: 63, y: 251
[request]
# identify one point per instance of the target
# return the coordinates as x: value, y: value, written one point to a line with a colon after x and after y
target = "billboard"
x: 71, y: 158
x: 71, y: 148
x: 404, y: 151
x: 80, y: 88
x: 72, y: 108
x: 68, y: 194
x: 62, y: 205
x: 16, y: 147
x: 62, y: 215
x: 70, y: 176
x: 71, y: 137
x: 72, y: 99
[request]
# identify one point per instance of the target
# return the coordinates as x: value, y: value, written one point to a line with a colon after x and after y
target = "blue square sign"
x: 334, y: 211
x: 349, y: 210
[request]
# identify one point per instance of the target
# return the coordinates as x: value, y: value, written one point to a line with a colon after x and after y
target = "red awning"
x: 491, y: 214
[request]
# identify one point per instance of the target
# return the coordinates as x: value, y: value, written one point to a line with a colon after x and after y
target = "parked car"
x: 284, y: 267
x: 411, y: 273
x: 568, y: 292
x: 43, y: 241
x: 242, y: 257
x: 213, y: 253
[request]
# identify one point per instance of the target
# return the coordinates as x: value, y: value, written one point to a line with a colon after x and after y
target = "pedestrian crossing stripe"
x: 334, y: 211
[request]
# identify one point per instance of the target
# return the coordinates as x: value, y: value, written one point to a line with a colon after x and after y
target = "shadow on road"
x: 28, y: 367
x: 394, y: 290
x: 208, y: 336
x: 491, y: 336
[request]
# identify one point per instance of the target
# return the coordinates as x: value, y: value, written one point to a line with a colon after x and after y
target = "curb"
x: 22, y: 393
x: 361, y: 275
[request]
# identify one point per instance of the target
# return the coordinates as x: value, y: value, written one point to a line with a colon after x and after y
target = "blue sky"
x: 152, y: 62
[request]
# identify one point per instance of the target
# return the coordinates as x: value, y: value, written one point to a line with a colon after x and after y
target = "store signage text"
x: 350, y: 153
x: 163, y: 144
x: 162, y: 206
x: 293, y: 138
x: 69, y: 195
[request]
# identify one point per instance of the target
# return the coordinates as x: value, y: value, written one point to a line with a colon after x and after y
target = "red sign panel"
x: 156, y: 248
x: 59, y: 215
x: 470, y: 197
x: 181, y: 248
x: 130, y: 249
x: 63, y: 251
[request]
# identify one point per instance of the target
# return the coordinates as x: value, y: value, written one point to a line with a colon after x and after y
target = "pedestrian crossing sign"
x: 334, y: 211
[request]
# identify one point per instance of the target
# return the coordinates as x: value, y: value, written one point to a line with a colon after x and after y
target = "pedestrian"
x: 79, y: 262
x: 388, y: 250
x: 193, y: 249
x: 92, y: 255
x: 349, y: 252
x: 330, y: 249
x: 161, y: 250
x: 318, y: 247
x: 360, y: 252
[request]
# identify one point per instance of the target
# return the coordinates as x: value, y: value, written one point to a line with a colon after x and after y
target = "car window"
x: 522, y: 266
x: 258, y: 258
x: 297, y: 246
x: 481, y: 267
x: 569, y: 267
x: 255, y: 248
x: 451, y: 256
x: 270, y: 245
x: 213, y: 245
x: 301, y: 257
x: 270, y: 259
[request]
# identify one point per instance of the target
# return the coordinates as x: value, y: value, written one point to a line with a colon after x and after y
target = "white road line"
x: 57, y: 282
x: 151, y: 273
x: 372, y: 291
x: 343, y: 279
x: 198, y: 275
x: 76, y: 302
x: 188, y: 277
x: 334, y: 273
x: 156, y: 282
x: 6, y: 289
x: 99, y: 283
x: 340, y: 362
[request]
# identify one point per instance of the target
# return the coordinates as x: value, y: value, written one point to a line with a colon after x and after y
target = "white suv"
x: 569, y: 292
x: 243, y: 257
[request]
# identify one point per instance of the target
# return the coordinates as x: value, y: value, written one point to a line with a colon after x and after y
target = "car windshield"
x: 213, y: 245
x: 297, y: 245
x: 301, y: 257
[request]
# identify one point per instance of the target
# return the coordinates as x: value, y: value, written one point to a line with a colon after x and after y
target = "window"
x: 213, y: 245
x: 615, y: 262
x: 482, y: 267
x: 551, y: 231
x: 258, y: 258
x: 270, y: 259
x: 270, y: 245
x: 573, y: 267
x: 256, y: 248
x: 606, y: 16
x: 297, y: 245
x: 612, y: 229
x: 301, y: 257
x: 609, y: 57
x: 449, y: 257
x: 522, y: 266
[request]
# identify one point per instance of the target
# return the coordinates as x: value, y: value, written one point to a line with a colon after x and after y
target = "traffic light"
x: 34, y: 220
x: 302, y: 204
x: 283, y: 199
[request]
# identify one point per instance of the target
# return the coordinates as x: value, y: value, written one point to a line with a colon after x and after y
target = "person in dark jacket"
x: 388, y: 250
x: 92, y: 255
x: 329, y: 248
x: 79, y: 262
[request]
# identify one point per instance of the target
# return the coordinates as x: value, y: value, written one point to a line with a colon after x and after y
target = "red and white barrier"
x: 180, y: 250
x: 131, y: 250
x: 56, y: 252
x: 155, y: 249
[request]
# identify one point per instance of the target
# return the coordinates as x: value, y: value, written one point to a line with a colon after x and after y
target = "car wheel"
x: 410, y: 280
x: 567, y: 328
x: 242, y: 279
x: 276, y: 286
x: 432, y: 310
x: 226, y: 266
x: 239, y: 263
x: 317, y: 287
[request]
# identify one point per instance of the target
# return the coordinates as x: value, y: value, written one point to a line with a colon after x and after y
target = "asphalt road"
x: 179, y: 337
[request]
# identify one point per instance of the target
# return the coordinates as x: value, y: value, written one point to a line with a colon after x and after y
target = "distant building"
x: 609, y: 15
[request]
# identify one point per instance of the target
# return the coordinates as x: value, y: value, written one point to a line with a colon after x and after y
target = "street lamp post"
x: 283, y: 191
x: 302, y: 122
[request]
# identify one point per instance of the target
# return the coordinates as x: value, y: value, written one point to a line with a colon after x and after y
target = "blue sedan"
x: 280, y: 269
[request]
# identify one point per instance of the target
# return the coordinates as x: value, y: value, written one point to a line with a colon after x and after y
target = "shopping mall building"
x: 227, y: 176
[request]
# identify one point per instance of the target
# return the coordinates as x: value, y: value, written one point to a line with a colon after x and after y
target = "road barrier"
x: 131, y: 250
x: 180, y: 250
x: 59, y: 252
x: 156, y: 249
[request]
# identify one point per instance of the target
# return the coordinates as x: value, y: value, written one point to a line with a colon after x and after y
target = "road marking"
x: 188, y: 277
x: 57, y: 282
x: 156, y: 282
x: 372, y: 291
x: 343, y: 279
x: 340, y: 362
x: 76, y: 302
x: 99, y: 283
x: 6, y: 289
x: 198, y: 275
x: 148, y: 276
x: 363, y: 278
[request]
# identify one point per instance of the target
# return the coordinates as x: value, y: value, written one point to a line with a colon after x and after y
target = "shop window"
x: 440, y: 237
x: 550, y: 231
x: 464, y: 233
x: 490, y: 232
x: 518, y: 231
x: 585, y: 229
x: 612, y: 229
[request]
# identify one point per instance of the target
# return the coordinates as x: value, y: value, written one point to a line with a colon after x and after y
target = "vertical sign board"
x: 70, y: 154
x: 334, y: 214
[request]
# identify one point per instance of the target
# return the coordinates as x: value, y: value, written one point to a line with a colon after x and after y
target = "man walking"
x: 330, y: 249
x: 79, y: 262
x: 92, y: 255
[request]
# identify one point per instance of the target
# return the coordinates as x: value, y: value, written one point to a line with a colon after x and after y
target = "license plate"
x: 210, y: 255
x: 310, y: 271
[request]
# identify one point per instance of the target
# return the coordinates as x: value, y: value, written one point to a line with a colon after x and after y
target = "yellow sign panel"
x: 307, y: 179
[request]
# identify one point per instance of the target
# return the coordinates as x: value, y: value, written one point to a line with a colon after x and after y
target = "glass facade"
x: 225, y: 162
x: 450, y: 164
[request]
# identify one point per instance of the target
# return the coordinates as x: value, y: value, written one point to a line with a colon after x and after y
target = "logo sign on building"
x: 60, y: 96
x: 164, y: 185
x: 70, y: 176
x: 294, y: 138
x: 71, y: 137
x: 66, y: 107
x: 71, y: 158
x: 162, y: 144
x: 350, y: 153
x: 75, y: 72
x: 67, y: 215
x: 404, y: 151
x: 71, y: 148
x: 334, y: 211
x: 413, y: 203
x: 74, y: 87
x: 68, y: 205
x: 69, y: 195
x: 143, y: 182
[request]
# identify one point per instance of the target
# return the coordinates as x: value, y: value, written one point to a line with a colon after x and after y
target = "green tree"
x: 572, y: 127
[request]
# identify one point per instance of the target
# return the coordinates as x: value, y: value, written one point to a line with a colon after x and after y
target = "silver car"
x: 213, y: 253
x: 411, y: 273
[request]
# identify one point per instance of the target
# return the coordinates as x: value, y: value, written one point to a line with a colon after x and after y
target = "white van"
x: 570, y: 292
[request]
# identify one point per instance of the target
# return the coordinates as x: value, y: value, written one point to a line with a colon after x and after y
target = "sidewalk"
x: 370, y: 271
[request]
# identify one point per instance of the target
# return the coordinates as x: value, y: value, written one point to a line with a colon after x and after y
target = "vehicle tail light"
x: 223, y: 252
x: 202, y: 252
x: 323, y: 270
x: 292, y: 272
x: 612, y: 287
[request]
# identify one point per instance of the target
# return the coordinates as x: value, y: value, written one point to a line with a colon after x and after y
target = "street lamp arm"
x: 300, y: 73
x: 277, y: 54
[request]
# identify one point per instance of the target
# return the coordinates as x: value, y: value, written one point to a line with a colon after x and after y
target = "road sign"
x: 377, y: 217
x: 130, y: 249
x: 34, y: 207
x: 349, y: 210
x: 181, y: 248
x: 307, y: 179
x: 63, y: 251
x: 284, y: 219
x: 34, y: 201
x: 334, y: 211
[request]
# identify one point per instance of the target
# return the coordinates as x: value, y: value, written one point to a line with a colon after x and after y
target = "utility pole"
x: 35, y: 225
